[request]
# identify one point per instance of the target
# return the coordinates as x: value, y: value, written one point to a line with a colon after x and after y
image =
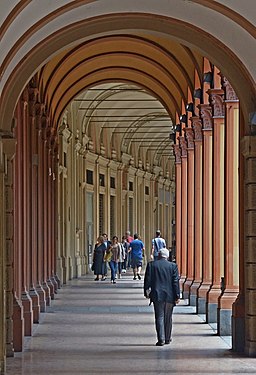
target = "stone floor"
x: 100, y: 328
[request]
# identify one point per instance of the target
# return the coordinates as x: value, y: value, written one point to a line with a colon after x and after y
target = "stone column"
x: 216, y: 99
x: 206, y: 115
x: 231, y: 255
x: 248, y: 148
x: 177, y: 153
x: 184, y: 213
x: 198, y: 236
x: 190, y: 215
x: 9, y: 151
x: 2, y: 264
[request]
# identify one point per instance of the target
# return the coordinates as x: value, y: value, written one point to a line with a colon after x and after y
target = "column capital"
x: 177, y: 153
x: 183, y: 146
x: 230, y: 94
x: 206, y: 116
x: 217, y: 102
x: 197, y: 127
x: 189, y: 133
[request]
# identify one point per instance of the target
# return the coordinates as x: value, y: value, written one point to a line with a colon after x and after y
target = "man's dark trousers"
x: 163, y: 320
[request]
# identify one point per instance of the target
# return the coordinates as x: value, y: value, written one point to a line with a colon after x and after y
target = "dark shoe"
x: 139, y: 277
x: 135, y: 278
x: 103, y: 278
x: 96, y: 279
x: 167, y: 342
x: 160, y: 343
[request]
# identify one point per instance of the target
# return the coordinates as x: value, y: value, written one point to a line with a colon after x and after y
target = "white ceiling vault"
x: 129, y: 118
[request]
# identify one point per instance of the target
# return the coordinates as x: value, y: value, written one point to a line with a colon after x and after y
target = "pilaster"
x: 216, y: 100
x: 248, y: 149
x: 197, y: 127
x: 231, y: 247
x: 189, y: 133
x: 206, y: 116
x: 177, y: 153
x: 184, y: 212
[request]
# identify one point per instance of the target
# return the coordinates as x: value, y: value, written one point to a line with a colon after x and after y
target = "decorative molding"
x: 183, y: 146
x: 217, y: 102
x: 229, y: 91
x: 206, y: 116
x: 189, y: 133
x: 177, y: 153
x: 197, y: 127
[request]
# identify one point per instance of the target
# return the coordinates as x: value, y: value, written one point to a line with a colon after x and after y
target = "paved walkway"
x: 100, y: 328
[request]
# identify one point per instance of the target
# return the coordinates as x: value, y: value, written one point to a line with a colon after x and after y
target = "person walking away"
x: 161, y: 285
x: 115, y: 250
x: 121, y: 260
x: 98, y: 259
x: 158, y: 243
x: 129, y: 239
x: 137, y: 251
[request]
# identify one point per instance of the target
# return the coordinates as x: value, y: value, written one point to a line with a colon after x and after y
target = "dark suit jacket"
x: 162, y: 278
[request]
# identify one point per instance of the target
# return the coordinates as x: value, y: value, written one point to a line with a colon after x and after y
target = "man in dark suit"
x: 161, y: 285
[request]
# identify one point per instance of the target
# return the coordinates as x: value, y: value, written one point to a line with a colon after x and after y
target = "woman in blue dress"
x: 98, y: 259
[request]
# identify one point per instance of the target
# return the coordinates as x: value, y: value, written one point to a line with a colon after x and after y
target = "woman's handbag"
x: 108, y: 256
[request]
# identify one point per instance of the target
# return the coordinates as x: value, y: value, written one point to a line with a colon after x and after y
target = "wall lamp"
x: 183, y: 118
x: 190, y: 107
x: 173, y: 137
x: 197, y: 94
x: 208, y: 77
x: 178, y: 127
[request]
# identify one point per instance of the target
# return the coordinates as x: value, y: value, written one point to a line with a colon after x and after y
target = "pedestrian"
x: 158, y: 243
x: 114, y: 250
x: 107, y: 243
x: 137, y: 252
x: 98, y: 259
x: 121, y: 260
x: 129, y: 239
x: 125, y: 245
x: 161, y: 286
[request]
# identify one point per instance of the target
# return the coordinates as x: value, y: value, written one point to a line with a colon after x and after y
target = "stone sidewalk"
x: 100, y: 328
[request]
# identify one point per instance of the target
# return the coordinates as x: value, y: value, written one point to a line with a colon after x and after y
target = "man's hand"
x: 152, y: 256
x: 177, y: 301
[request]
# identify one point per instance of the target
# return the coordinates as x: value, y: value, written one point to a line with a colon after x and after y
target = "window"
x: 130, y: 185
x: 147, y: 190
x: 112, y: 182
x: 101, y: 214
x: 89, y: 177
x: 102, y: 179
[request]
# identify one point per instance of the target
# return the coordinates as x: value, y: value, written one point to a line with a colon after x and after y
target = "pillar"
x: 177, y: 153
x: 248, y: 148
x: 205, y: 113
x: 198, y: 223
x: 184, y: 213
x: 190, y: 215
x: 2, y: 265
x: 216, y: 99
x: 231, y: 248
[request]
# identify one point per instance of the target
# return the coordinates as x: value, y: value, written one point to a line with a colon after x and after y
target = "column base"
x: 18, y: 325
x: 224, y: 322
x: 51, y: 287
x: 182, y: 282
x: 27, y: 313
x: 194, y: 293
x: 55, y: 284
x: 35, y: 304
x: 186, y: 290
x: 225, y: 303
x: 238, y: 324
x: 58, y: 280
x: 42, y: 300
x: 78, y: 266
x: 202, y: 297
x: 212, y: 304
x: 47, y: 293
